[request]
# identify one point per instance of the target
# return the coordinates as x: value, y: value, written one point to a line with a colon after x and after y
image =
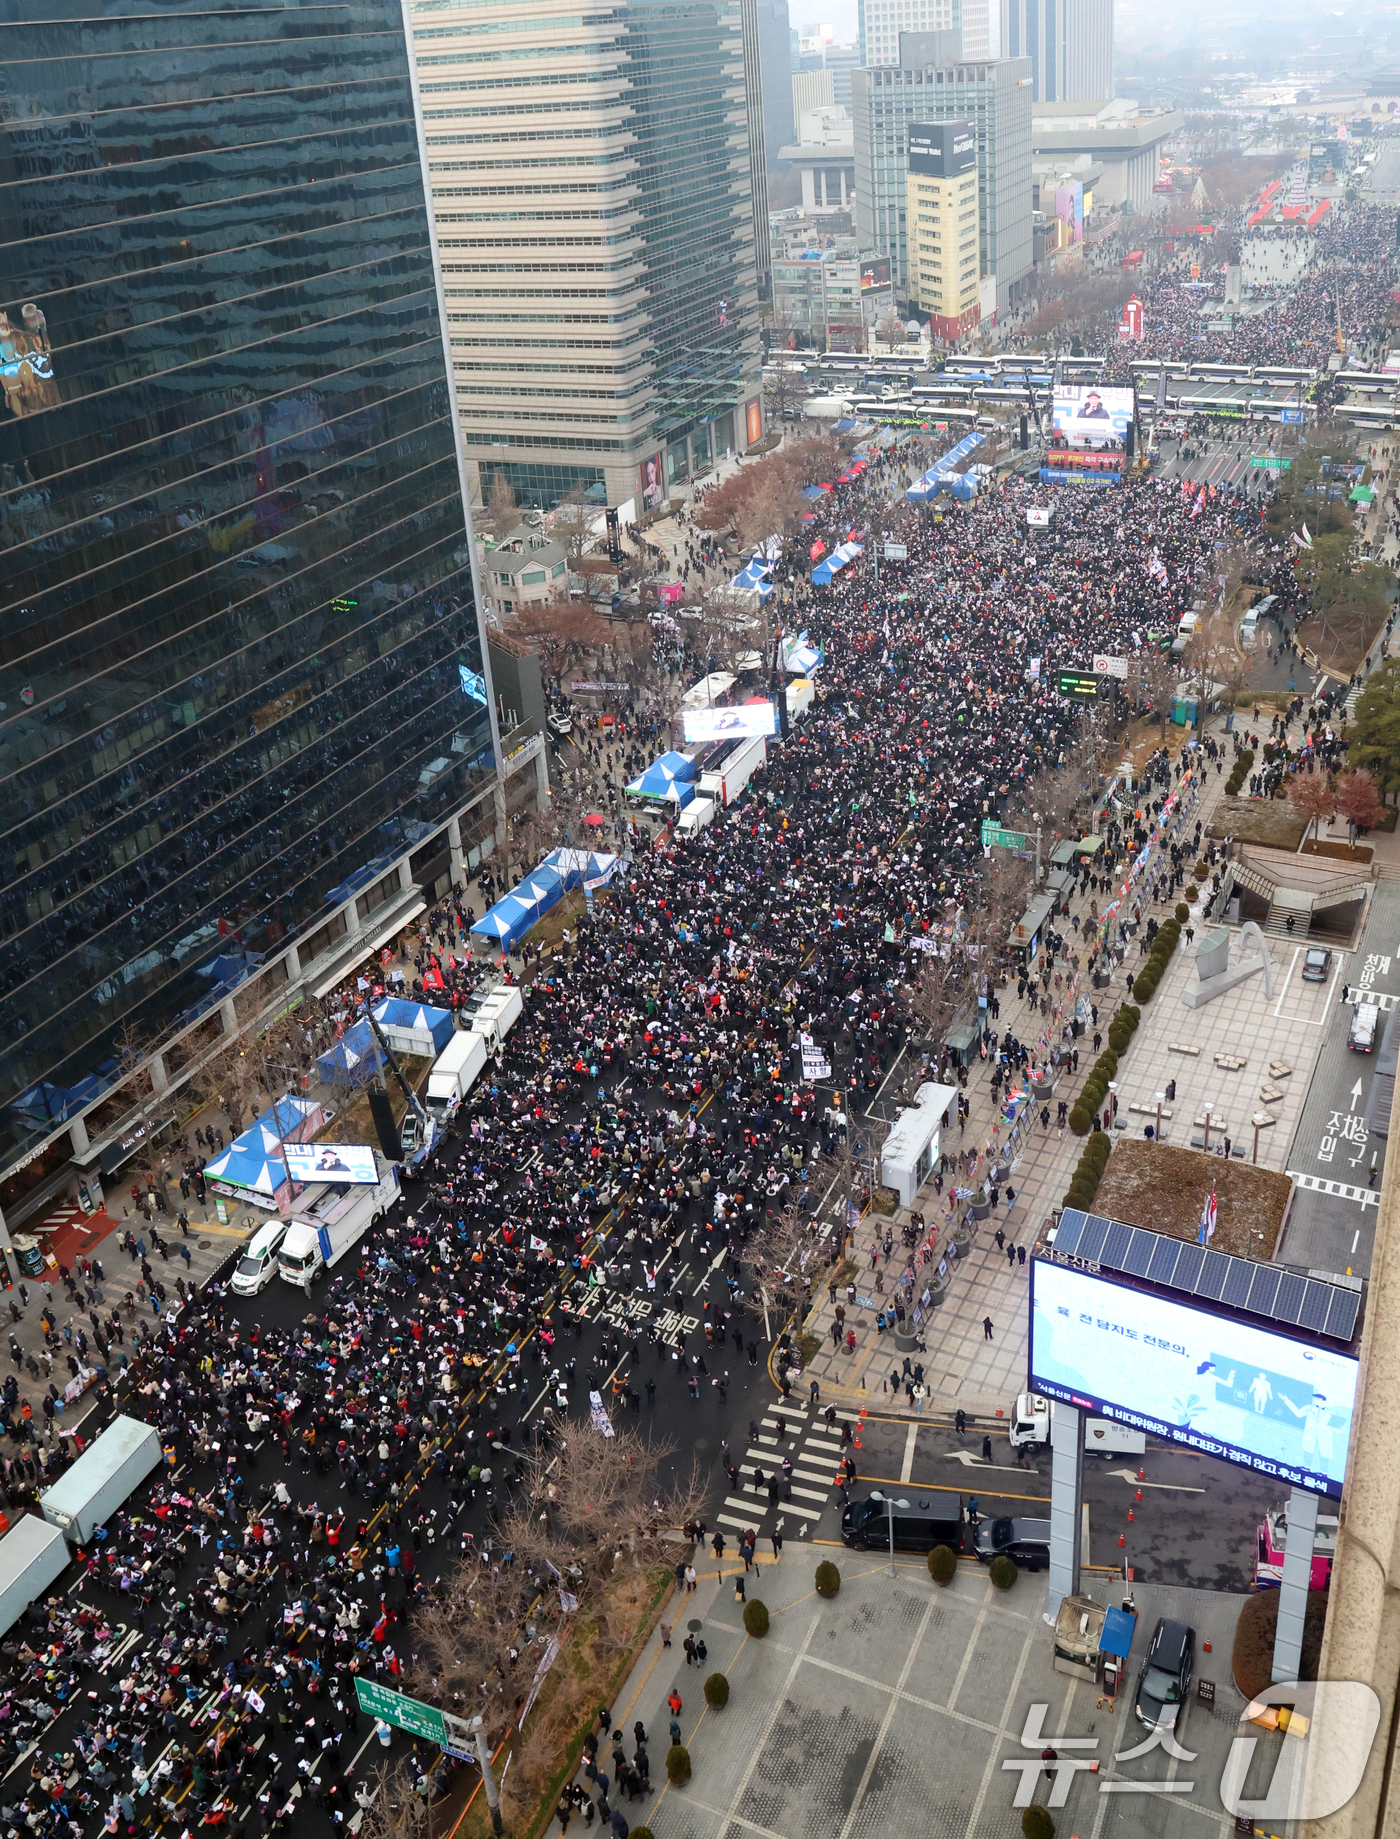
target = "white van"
x: 257, y: 1267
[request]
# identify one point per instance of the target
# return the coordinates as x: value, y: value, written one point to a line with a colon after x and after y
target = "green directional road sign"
x: 412, y: 1715
x: 1270, y: 462
x: 994, y: 837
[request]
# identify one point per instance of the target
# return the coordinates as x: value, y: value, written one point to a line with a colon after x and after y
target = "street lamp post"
x: 1207, y: 1108
x: 1159, y: 1097
x: 1112, y: 1102
x: 890, y: 1506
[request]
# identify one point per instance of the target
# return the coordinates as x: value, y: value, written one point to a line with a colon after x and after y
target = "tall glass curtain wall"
x: 239, y: 660
x: 689, y: 120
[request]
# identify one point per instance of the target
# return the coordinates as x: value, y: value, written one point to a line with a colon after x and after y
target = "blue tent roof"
x: 254, y: 1160
x: 353, y: 1060
x: 416, y: 1018
x: 812, y: 491
x: 662, y: 776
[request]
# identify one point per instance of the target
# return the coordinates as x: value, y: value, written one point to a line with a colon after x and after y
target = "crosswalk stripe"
x: 726, y: 1519
x: 821, y: 1475
x: 810, y: 1494
x: 820, y: 1447
x: 807, y: 1513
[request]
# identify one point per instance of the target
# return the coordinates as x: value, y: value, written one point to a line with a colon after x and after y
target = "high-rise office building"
x: 768, y: 93
x: 840, y: 61
x: 880, y: 22
x: 995, y: 97
x: 594, y: 199
x: 246, y: 721
x: 1069, y: 44
x: 943, y: 233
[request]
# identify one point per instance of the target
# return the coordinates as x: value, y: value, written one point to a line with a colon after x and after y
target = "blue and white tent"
x: 830, y: 566
x: 800, y: 658
x: 755, y: 575
x: 663, y: 775
x: 413, y: 1028
x: 575, y: 866
x: 355, y: 1058
x: 515, y: 913
x: 252, y: 1167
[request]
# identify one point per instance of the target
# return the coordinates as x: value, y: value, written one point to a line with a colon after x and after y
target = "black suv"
x: 1165, y: 1680
x: 1025, y: 1542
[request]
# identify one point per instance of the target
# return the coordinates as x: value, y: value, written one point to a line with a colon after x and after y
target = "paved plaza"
x: 894, y: 1707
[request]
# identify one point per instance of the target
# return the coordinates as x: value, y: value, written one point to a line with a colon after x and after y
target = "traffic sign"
x: 1271, y: 462
x: 1290, y: 415
x: 994, y: 837
x: 1078, y: 683
x: 419, y: 1720
x: 1105, y: 666
x: 896, y: 552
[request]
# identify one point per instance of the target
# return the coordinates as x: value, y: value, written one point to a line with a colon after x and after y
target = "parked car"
x: 865, y: 1525
x: 1025, y: 1542
x: 1365, y: 1033
x: 411, y: 1134
x: 257, y: 1267
x: 1165, y: 1681
x: 560, y: 722
x: 1317, y: 962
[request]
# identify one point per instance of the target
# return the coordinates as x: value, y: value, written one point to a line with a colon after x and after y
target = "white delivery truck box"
x: 698, y: 813
x: 496, y: 1017
x: 101, y: 1479
x: 740, y: 767
x: 32, y: 1554
x: 320, y: 1236
x: 454, y: 1073
x: 1031, y: 1417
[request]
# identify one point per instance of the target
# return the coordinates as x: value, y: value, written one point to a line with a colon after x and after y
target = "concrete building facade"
x: 1069, y: 44
x: 995, y: 98
x: 598, y: 242
x: 942, y: 226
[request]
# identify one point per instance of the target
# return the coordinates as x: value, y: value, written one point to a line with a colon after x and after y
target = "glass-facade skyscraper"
x: 593, y: 188
x: 245, y: 715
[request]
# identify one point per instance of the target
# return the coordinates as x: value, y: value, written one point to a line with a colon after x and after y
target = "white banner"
x: 815, y: 1064
x: 1104, y: 666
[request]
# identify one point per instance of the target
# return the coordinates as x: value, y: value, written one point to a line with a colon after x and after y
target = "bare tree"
x: 502, y: 511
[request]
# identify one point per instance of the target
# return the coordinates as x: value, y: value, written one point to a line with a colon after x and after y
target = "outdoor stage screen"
x: 1216, y: 1383
x: 746, y: 720
x: 1088, y: 416
x: 313, y: 1162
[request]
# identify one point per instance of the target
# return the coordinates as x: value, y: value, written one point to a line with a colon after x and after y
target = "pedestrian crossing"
x: 815, y: 1450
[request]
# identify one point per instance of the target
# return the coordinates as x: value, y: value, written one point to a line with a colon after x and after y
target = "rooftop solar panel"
x: 1238, y: 1277
x: 1289, y: 1300
x: 1341, y: 1314
x: 1164, y: 1256
x: 1115, y: 1245
x: 1067, y: 1234
x: 1212, y: 1279
x: 1263, y: 1289
x: 1092, y: 1238
x: 1312, y: 1312
x: 1188, y: 1267
x: 1139, y: 1253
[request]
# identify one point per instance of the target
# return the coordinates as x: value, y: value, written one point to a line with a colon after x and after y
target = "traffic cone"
x: 1138, y: 1495
x: 1130, y: 1513
x: 1142, y: 1474
x: 1121, y: 1539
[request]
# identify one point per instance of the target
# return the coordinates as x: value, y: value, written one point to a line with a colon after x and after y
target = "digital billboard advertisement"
x: 313, y: 1162
x: 746, y: 721
x: 1088, y: 416
x: 874, y: 273
x: 942, y: 149
x: 1214, y: 1383
x: 1069, y: 208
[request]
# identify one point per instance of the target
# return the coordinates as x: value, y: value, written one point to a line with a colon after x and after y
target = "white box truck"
x: 1030, y: 1424
x: 101, y: 1479
x: 698, y: 813
x: 336, y: 1221
x: 726, y: 781
x: 496, y: 1017
x: 32, y: 1555
x: 454, y: 1073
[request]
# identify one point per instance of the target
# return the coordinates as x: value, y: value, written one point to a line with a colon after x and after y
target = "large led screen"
x: 331, y: 1162
x: 748, y: 719
x: 1214, y: 1383
x: 1088, y: 416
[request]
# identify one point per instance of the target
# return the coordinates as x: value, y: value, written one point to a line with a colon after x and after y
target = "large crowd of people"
x: 318, y: 1478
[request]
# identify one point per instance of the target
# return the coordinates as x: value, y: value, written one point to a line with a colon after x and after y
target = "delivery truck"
x: 320, y: 1235
x: 726, y: 780
x: 32, y: 1555
x: 1030, y: 1425
x: 698, y: 813
x: 496, y: 1017
x: 101, y: 1479
x: 454, y: 1073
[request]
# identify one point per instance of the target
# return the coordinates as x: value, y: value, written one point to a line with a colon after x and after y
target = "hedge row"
x: 1084, y: 1183
x: 1147, y: 979
x: 1239, y: 772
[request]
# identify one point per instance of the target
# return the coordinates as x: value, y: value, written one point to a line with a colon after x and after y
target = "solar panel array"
x: 1215, y: 1277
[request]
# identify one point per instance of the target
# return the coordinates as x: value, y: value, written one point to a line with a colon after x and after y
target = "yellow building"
x: 944, y: 256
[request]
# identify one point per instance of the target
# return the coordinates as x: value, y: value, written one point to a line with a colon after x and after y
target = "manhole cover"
x: 204, y: 1244
x: 695, y: 1625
